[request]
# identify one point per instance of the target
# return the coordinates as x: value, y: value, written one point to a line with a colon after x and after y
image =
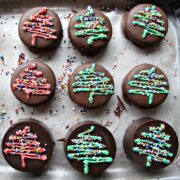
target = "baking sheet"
x: 61, y: 113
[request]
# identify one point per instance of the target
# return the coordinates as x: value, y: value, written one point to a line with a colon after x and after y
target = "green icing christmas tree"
x: 88, y: 149
x: 154, y: 145
x: 92, y: 26
x: 148, y: 83
x: 150, y: 19
x: 96, y: 83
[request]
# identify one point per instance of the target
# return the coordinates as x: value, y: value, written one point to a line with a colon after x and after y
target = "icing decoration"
x: 25, y: 144
x: 154, y: 145
x: 148, y: 83
x: 91, y: 26
x: 150, y: 19
x: 39, y: 25
x: 88, y: 149
x: 96, y: 83
x: 31, y: 82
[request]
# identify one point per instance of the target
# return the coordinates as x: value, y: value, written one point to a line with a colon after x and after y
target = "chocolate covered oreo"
x: 150, y: 143
x: 145, y: 86
x: 27, y: 145
x: 40, y: 29
x: 90, y: 30
x: 145, y: 24
x: 90, y: 148
x: 33, y: 83
x: 90, y: 85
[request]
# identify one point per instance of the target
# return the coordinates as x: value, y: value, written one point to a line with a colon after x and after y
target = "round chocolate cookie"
x: 40, y: 29
x: 90, y: 30
x: 28, y: 145
x: 33, y: 83
x: 90, y: 148
x: 145, y: 24
x: 150, y: 143
x: 90, y: 85
x: 145, y: 86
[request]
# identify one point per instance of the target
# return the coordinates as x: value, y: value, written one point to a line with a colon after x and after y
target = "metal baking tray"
x: 61, y: 113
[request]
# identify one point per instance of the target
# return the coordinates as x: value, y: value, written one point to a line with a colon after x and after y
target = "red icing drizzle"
x: 25, y: 144
x: 40, y: 25
x: 31, y: 82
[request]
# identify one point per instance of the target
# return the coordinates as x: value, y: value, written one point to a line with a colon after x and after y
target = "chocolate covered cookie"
x: 90, y: 85
x: 90, y: 30
x: 90, y: 148
x: 145, y: 86
x: 27, y: 145
x: 150, y: 143
x: 33, y: 83
x: 145, y: 24
x: 40, y: 29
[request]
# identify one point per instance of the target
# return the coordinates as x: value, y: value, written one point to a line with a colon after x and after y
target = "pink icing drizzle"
x: 31, y: 82
x: 25, y: 144
x: 39, y: 24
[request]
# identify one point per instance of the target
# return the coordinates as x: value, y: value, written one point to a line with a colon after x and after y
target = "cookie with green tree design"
x: 146, y: 86
x: 90, y: 148
x: 145, y: 24
x: 90, y: 85
x: 90, y: 30
x: 150, y: 143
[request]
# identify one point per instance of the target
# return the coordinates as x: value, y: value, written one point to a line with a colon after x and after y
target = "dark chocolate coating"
x: 142, y: 100
x: 44, y: 136
x: 134, y: 33
x: 34, y: 99
x: 82, y: 98
x: 81, y: 42
x: 107, y: 139
x: 41, y: 43
x: 134, y: 131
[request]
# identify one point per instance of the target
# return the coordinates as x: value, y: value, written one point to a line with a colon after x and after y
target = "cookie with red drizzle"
x: 27, y: 145
x: 40, y: 29
x: 33, y: 83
